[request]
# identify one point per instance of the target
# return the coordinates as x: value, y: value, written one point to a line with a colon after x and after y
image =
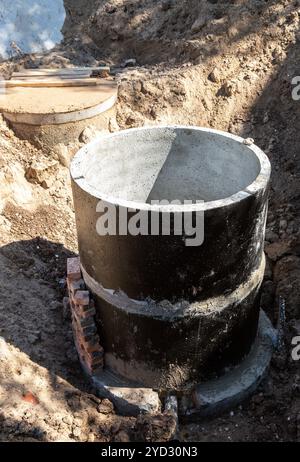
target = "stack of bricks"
x: 83, y: 319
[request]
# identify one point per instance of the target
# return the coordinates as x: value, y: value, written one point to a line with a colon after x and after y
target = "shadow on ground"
x: 32, y: 286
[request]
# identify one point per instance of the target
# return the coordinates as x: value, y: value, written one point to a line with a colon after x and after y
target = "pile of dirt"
x: 172, y: 31
x: 227, y: 65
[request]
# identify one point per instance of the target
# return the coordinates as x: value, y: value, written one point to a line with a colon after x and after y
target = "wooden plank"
x: 20, y: 75
x: 54, y: 83
x: 61, y: 71
x: 50, y: 78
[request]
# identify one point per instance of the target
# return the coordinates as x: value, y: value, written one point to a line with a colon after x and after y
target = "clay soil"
x: 226, y: 65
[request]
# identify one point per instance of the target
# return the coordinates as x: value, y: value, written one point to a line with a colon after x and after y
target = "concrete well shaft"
x: 171, y: 314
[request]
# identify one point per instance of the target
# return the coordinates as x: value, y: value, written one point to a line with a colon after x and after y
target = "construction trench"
x: 159, y: 316
x: 150, y: 266
x: 158, y: 313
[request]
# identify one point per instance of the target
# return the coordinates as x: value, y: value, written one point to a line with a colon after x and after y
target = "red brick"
x: 94, y: 368
x: 95, y: 355
x: 86, y: 338
x: 73, y: 286
x: 93, y: 350
x: 89, y: 313
x: 92, y: 346
x: 83, y: 313
x: 73, y: 269
x: 83, y: 322
x: 81, y: 297
x: 92, y: 363
x: 88, y: 330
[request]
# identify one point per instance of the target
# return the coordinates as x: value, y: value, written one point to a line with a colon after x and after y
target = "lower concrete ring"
x: 209, y: 398
x: 222, y: 394
x: 168, y: 359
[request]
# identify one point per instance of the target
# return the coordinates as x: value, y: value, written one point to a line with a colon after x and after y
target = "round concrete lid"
x: 54, y: 100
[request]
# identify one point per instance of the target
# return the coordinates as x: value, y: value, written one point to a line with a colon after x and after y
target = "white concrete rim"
x: 259, y: 184
x: 61, y: 117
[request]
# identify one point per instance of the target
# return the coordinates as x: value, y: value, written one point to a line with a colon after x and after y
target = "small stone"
x: 30, y: 398
x: 166, y: 5
x: 73, y: 148
x: 113, y: 125
x: 110, y: 9
x: 156, y: 427
x: 62, y: 154
x: 38, y: 433
x: 283, y: 225
x: 248, y: 141
x: 122, y: 437
x: 102, y: 73
x: 129, y: 62
x: 78, y: 421
x: 89, y: 134
x: 42, y: 172
x: 91, y: 438
x: 291, y: 227
x: 227, y: 90
x: 271, y: 236
x: 106, y: 407
x: 62, y: 283
x: 68, y: 419
x: 4, y: 350
x: 279, y: 55
x: 198, y: 24
x: 76, y: 432
x: 46, y: 184
x: 34, y: 338
x: 54, y: 305
x: 268, y: 270
x: 295, y: 327
x: 257, y: 399
x: 215, y: 76
x: 71, y: 354
x: 66, y: 312
x: 278, y: 249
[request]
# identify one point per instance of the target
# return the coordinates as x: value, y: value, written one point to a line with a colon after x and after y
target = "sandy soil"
x: 232, y: 70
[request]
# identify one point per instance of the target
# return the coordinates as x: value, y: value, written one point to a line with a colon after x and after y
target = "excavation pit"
x: 171, y: 315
